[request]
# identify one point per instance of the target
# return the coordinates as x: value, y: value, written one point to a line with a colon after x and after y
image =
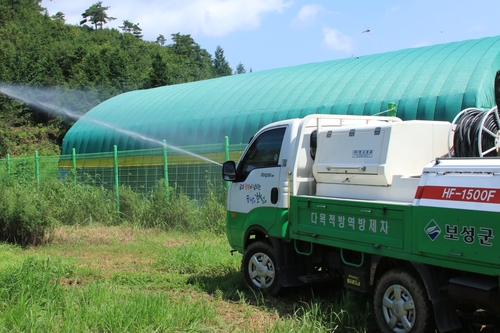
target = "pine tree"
x: 159, y: 75
x: 96, y: 14
x: 161, y: 40
x: 221, y: 66
x: 132, y: 28
x: 240, y: 69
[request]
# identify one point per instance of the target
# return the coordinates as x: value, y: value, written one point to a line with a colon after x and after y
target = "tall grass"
x: 25, y: 215
x: 30, y: 212
x: 36, y: 297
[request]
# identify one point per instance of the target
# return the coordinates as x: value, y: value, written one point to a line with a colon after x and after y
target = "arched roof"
x: 433, y: 82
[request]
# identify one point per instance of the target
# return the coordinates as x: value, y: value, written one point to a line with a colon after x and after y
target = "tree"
x: 159, y: 74
x: 137, y: 32
x: 129, y: 27
x: 221, y: 66
x: 19, y: 8
x: 240, y: 69
x: 184, y: 45
x: 96, y: 14
x: 161, y: 40
x: 59, y: 16
x: 193, y: 62
x: 14, y: 3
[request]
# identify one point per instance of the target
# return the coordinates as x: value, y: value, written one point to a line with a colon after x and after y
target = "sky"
x: 269, y: 34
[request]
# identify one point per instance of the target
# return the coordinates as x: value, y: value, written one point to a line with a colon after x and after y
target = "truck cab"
x: 258, y: 183
x: 277, y: 163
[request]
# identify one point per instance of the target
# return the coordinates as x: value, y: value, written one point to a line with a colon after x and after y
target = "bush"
x: 213, y: 210
x: 173, y: 210
x: 169, y: 209
x: 80, y: 204
x: 25, y: 215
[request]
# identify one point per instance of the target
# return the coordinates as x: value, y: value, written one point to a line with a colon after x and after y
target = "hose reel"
x: 477, y: 132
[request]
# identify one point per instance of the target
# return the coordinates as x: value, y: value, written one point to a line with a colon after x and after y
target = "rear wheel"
x: 401, y: 304
x: 259, y: 268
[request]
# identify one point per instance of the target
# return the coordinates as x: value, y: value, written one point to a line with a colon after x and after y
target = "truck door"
x: 255, y: 194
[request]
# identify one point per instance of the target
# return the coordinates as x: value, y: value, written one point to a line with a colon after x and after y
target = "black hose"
x: 465, y: 141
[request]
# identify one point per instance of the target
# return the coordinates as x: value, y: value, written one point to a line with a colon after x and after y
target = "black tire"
x: 401, y: 304
x: 259, y: 267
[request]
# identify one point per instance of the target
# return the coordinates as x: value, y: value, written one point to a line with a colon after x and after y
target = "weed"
x: 28, y: 214
x: 24, y: 215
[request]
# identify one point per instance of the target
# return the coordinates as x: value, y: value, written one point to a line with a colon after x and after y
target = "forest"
x: 41, y: 54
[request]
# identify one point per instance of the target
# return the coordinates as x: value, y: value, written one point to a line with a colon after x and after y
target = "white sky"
x: 267, y: 34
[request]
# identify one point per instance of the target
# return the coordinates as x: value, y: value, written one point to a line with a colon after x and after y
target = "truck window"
x: 263, y: 153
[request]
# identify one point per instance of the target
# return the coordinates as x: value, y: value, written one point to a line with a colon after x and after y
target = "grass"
x: 120, y: 279
x: 124, y: 279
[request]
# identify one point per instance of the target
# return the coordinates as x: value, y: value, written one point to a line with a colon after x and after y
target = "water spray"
x: 148, y: 139
x: 40, y: 98
x: 48, y: 100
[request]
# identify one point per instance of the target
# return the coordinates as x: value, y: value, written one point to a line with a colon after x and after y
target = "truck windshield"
x: 263, y: 153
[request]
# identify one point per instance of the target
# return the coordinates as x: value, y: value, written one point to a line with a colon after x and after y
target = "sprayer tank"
x: 377, y: 153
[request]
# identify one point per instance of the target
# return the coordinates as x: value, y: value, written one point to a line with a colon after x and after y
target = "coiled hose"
x: 474, y: 126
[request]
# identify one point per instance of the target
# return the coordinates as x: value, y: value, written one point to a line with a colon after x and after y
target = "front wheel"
x: 401, y: 304
x: 259, y: 268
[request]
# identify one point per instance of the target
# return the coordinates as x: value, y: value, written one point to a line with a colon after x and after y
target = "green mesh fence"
x: 28, y: 170
x: 190, y: 169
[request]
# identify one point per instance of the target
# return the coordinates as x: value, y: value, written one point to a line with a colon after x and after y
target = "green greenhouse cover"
x: 433, y: 82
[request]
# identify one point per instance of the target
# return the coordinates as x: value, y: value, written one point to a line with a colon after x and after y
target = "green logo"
x: 432, y: 230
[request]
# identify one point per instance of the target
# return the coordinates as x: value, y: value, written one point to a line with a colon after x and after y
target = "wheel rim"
x: 261, y: 270
x: 399, y: 308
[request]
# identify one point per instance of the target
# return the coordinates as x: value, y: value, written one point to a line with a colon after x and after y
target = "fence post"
x: 73, y: 164
x: 392, y: 109
x: 226, y: 148
x: 8, y: 169
x: 165, y: 170
x: 117, y: 185
x: 37, y: 169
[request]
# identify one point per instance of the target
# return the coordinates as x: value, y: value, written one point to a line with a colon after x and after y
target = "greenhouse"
x: 434, y: 82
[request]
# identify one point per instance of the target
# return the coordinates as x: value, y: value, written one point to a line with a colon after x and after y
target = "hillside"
x: 40, y: 55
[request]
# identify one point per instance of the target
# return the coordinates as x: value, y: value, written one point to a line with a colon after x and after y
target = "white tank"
x: 377, y: 153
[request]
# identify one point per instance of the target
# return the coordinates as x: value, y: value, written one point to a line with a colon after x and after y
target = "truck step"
x: 315, y: 278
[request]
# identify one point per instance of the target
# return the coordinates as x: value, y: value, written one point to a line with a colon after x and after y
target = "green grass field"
x: 118, y: 279
x: 124, y: 279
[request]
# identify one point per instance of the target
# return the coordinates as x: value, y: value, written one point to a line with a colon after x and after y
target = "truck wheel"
x: 259, y: 268
x: 401, y: 304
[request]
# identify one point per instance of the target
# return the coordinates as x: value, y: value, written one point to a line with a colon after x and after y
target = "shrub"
x: 80, y: 204
x: 170, y: 209
x: 213, y: 210
x: 25, y: 215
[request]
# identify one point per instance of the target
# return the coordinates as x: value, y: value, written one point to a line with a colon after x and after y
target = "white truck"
x: 381, y: 202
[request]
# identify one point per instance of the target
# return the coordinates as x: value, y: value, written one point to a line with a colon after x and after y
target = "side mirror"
x: 229, y: 171
x: 313, y: 144
x: 497, y: 90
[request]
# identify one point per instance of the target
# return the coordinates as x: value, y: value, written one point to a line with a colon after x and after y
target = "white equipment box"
x: 372, y: 154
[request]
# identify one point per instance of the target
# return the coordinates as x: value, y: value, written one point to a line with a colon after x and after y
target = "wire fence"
x: 187, y: 169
